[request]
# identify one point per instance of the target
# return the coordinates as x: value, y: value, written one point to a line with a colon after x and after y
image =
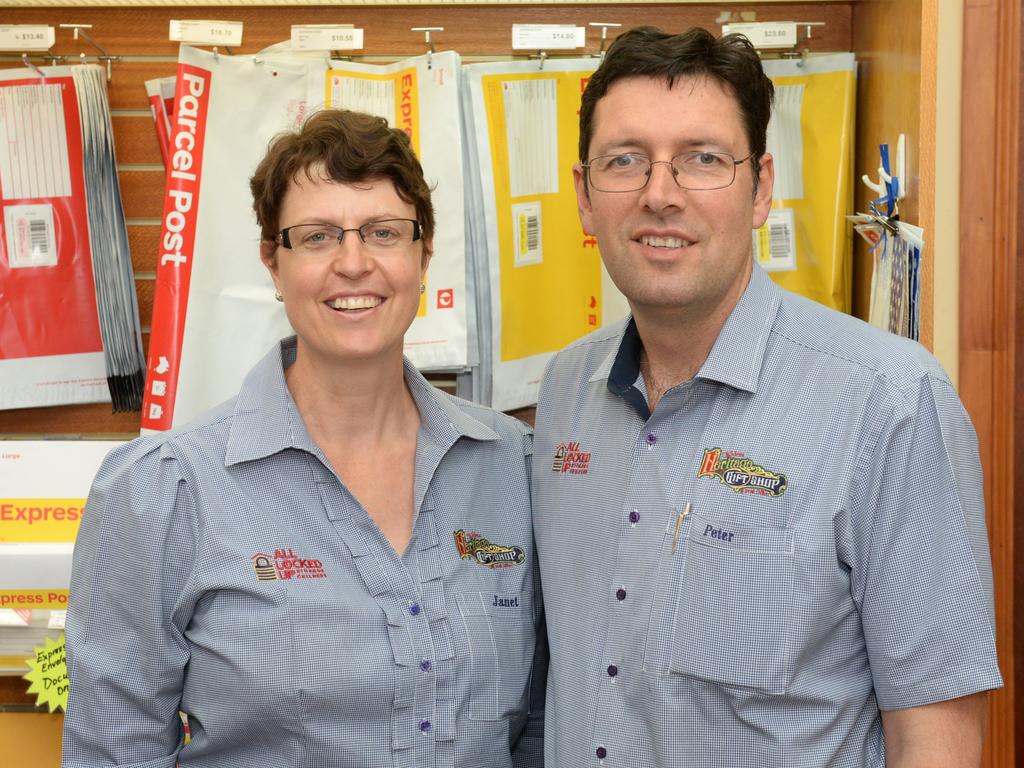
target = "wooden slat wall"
x: 140, y: 36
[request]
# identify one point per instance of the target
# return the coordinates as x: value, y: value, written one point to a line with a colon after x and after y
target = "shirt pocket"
x: 735, y: 602
x: 500, y: 630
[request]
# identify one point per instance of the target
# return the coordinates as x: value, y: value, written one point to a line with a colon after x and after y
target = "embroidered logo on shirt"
x: 735, y: 470
x: 473, y: 546
x: 570, y: 459
x: 284, y: 564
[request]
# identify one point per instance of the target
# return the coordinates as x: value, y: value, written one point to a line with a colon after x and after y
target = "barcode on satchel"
x: 774, y: 242
x: 780, y: 240
x: 532, y: 232
x: 529, y: 239
x: 39, y: 237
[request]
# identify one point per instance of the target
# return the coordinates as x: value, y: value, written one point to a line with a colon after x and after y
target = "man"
x: 760, y: 522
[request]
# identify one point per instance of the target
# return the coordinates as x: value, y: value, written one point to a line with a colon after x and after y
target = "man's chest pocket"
x: 501, y: 642
x: 734, y: 606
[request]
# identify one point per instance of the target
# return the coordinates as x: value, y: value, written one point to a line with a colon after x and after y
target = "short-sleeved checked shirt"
x: 224, y: 570
x: 792, y: 541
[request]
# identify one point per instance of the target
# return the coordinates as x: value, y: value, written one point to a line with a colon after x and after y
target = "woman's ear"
x: 428, y: 252
x: 268, y: 255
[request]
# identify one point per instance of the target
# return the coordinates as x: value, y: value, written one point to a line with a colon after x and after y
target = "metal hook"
x: 430, y: 44
x: 28, y: 63
x: 79, y: 30
x: 542, y: 56
x: 604, y: 34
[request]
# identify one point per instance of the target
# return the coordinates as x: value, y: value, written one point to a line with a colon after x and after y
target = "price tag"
x: 547, y: 37
x: 26, y: 37
x: 226, y: 33
x: 326, y: 37
x: 765, y: 34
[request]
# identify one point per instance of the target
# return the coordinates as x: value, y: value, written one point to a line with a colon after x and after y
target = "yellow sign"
x: 39, y: 520
x: 47, y: 599
x: 545, y: 258
x: 818, y: 191
x: 48, y: 673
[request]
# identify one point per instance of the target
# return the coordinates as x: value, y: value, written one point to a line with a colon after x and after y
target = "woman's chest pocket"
x: 500, y: 632
x: 734, y: 606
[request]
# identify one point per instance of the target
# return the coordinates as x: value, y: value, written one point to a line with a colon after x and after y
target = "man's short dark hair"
x: 650, y: 52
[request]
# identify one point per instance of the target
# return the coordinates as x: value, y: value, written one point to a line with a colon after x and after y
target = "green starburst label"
x: 48, y: 673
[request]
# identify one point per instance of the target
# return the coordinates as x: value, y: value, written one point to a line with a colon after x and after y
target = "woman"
x: 336, y: 567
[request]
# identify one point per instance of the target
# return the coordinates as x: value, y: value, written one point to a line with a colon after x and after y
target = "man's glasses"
x: 691, y: 170
x: 316, y: 239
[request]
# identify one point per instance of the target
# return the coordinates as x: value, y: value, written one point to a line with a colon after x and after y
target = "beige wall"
x: 945, y: 241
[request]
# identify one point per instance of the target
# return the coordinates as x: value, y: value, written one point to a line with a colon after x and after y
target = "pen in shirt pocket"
x: 683, y: 513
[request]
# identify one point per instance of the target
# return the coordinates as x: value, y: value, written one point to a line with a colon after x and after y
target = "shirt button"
x: 651, y: 438
x: 634, y: 517
x: 414, y: 609
x: 612, y: 670
x: 425, y: 665
x: 620, y: 594
x: 602, y: 753
x: 424, y: 725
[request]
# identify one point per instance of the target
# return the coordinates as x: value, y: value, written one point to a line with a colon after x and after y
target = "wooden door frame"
x: 990, y: 293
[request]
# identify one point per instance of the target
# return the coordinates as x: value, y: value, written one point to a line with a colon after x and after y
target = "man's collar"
x: 738, y: 353
x: 736, y: 356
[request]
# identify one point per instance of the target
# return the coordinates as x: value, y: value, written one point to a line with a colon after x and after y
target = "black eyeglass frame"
x: 284, y: 236
x: 675, y: 173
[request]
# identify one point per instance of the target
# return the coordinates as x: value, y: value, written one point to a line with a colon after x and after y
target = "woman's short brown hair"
x: 342, y: 146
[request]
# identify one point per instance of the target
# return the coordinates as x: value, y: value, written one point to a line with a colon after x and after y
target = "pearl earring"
x: 278, y: 296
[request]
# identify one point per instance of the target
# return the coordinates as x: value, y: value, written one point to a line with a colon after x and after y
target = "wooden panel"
x: 68, y: 420
x: 31, y: 738
x: 145, y: 290
x: 142, y: 194
x: 471, y: 30
x: 990, y: 191
x: 14, y: 690
x: 144, y: 242
x: 127, y: 87
x: 887, y: 41
x: 135, y: 139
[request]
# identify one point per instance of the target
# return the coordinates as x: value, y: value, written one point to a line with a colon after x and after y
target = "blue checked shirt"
x: 224, y: 570
x: 792, y: 541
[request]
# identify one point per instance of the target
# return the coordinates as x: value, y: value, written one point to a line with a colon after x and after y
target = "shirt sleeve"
x: 125, y: 644
x: 921, y: 573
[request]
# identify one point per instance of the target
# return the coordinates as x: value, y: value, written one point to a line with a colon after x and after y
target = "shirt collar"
x: 737, y: 354
x: 266, y: 419
x: 440, y: 415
